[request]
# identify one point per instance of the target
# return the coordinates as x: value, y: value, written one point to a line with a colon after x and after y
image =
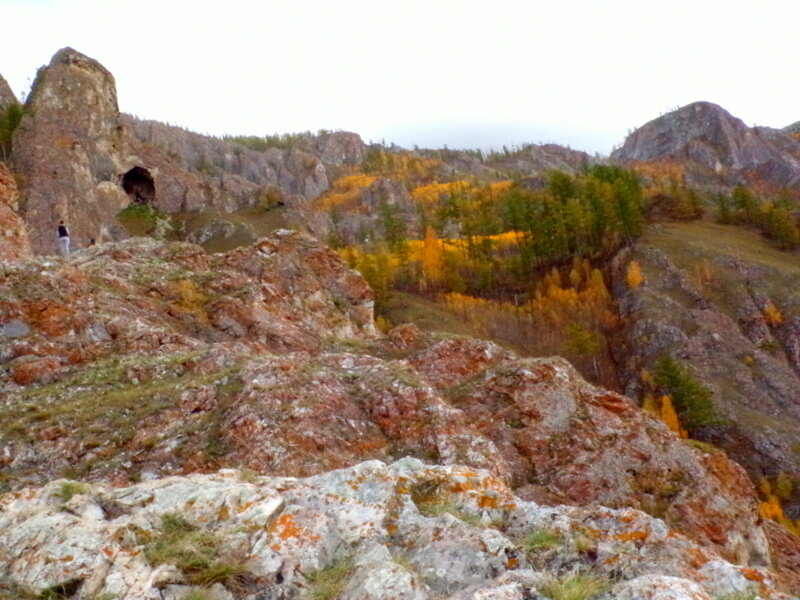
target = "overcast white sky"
x: 429, y: 72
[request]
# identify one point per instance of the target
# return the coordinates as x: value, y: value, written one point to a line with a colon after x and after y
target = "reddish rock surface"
x: 14, y: 243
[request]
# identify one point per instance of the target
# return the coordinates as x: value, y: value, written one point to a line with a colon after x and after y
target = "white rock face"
x: 371, y: 532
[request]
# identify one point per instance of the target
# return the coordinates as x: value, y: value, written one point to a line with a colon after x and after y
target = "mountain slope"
x: 725, y: 304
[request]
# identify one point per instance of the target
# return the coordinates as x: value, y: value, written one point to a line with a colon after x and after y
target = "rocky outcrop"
x: 68, y: 149
x: 366, y: 216
x: 14, y: 243
x: 538, y: 159
x: 337, y: 148
x: 711, y: 312
x: 6, y: 94
x: 372, y: 531
x: 293, y: 172
x: 716, y: 147
x: 531, y: 160
x: 142, y: 359
x: 73, y: 150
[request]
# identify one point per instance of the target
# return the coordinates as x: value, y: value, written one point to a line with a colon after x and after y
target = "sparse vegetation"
x: 329, y: 583
x: 198, y: 553
x: 68, y: 489
x: 691, y: 399
x: 431, y: 501
x: 750, y: 594
x: 574, y: 586
x: 285, y: 141
x: 140, y: 219
x: 540, y: 539
x: 199, y: 594
x: 10, y: 118
x: 634, y: 276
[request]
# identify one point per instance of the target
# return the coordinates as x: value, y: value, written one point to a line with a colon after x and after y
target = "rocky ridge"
x: 374, y: 531
x: 74, y: 162
x: 238, y: 172
x: 73, y: 150
x: 716, y: 148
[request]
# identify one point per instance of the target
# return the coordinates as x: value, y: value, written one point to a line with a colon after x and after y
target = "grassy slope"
x: 712, y: 254
x: 689, y: 244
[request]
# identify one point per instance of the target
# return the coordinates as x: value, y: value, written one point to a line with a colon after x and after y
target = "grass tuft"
x: 68, y: 489
x: 329, y: 583
x: 192, y: 550
x: 540, y: 539
x: 574, y: 586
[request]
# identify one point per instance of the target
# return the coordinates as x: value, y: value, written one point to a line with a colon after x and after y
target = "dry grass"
x: 574, y: 586
x: 329, y: 583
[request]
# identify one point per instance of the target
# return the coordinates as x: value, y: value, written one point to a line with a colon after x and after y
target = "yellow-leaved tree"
x: 634, y: 276
x: 431, y: 259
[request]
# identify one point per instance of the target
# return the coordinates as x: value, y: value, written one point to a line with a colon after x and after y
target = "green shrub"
x: 139, y: 219
x: 10, y: 118
x: 692, y: 399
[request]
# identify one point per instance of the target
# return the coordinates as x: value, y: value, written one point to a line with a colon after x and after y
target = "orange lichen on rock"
x: 633, y: 536
x: 752, y: 575
x: 285, y: 527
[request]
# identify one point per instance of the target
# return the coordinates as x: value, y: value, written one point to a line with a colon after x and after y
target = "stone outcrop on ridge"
x: 716, y: 148
x: 68, y: 149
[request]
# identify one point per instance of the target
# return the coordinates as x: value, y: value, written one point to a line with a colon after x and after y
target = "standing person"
x: 63, y: 238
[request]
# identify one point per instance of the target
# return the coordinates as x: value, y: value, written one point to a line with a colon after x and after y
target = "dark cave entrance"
x: 139, y: 185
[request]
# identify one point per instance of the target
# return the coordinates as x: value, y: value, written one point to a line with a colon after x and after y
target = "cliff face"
x: 6, y: 94
x: 68, y: 150
x: 293, y: 172
x: 73, y: 152
x: 716, y: 148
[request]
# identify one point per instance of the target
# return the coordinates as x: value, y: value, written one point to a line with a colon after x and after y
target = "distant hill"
x: 715, y: 148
